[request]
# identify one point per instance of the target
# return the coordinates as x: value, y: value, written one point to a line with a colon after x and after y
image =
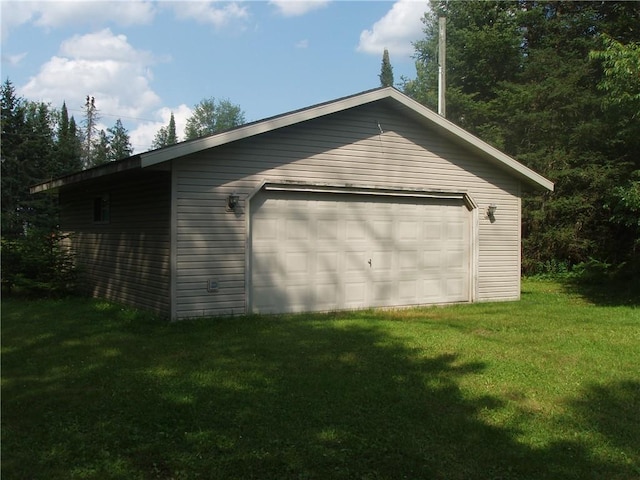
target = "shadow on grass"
x: 607, y: 292
x: 612, y: 410
x: 260, y: 398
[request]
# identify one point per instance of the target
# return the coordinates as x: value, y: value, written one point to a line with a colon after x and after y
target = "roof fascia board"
x: 169, y: 153
x: 90, y: 174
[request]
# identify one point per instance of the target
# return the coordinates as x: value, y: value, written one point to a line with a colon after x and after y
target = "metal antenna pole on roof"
x: 442, y: 46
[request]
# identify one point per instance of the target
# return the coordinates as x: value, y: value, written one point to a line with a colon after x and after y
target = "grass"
x: 544, y: 388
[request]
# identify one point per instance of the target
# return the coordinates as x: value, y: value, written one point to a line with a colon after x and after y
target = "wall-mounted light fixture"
x: 491, y: 210
x: 232, y: 201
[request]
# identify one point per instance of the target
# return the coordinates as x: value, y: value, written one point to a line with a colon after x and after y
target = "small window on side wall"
x: 101, y: 209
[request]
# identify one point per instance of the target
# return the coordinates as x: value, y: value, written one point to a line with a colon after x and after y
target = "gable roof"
x: 388, y: 95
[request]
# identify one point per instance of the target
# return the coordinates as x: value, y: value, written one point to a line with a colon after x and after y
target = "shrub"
x: 37, y: 263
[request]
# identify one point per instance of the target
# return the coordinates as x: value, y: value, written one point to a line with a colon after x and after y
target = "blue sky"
x: 142, y: 60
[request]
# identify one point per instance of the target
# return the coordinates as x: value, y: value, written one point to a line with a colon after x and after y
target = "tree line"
x: 556, y: 85
x: 40, y: 143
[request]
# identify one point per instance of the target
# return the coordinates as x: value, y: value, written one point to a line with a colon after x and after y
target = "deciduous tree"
x: 212, y: 116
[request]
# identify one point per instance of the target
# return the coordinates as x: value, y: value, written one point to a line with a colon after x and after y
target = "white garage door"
x: 328, y: 251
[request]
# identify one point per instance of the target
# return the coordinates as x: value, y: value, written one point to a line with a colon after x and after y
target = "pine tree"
x: 520, y: 76
x: 101, y: 152
x: 39, y: 212
x: 68, y: 146
x: 13, y: 172
x: 32, y: 254
x: 386, y: 71
x: 166, y: 135
x: 119, y: 142
x: 172, y: 138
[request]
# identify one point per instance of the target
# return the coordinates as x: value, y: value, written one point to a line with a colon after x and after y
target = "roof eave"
x: 186, y: 148
x: 90, y: 174
x: 167, y: 154
x: 264, y: 126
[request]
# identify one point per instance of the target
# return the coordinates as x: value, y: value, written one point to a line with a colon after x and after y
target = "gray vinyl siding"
x: 127, y: 259
x: 346, y: 148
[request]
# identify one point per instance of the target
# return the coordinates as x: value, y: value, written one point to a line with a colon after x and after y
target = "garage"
x: 369, y: 200
x: 329, y: 249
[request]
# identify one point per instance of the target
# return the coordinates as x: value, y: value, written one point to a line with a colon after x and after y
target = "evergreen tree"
x: 119, y: 142
x: 166, y: 135
x: 520, y: 76
x: 210, y: 116
x: 101, y: 152
x: 39, y: 211
x: 32, y: 254
x: 386, y: 70
x: 68, y: 145
x: 172, y: 138
x: 14, y: 174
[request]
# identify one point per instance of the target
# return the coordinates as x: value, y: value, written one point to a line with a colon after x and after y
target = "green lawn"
x: 544, y: 388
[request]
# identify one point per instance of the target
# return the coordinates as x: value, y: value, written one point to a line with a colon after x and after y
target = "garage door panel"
x: 382, y: 230
x: 384, y: 293
x: 312, y: 251
x: 297, y: 229
x: 356, y: 230
x: 455, y: 288
x: 432, y: 289
x: 432, y: 260
x: 382, y: 261
x: 266, y: 263
x: 456, y: 231
x: 407, y: 231
x: 327, y: 263
x: 327, y: 230
x: 301, y: 299
x: 408, y: 261
x: 355, y: 262
x: 297, y: 263
x: 327, y: 295
x: 407, y: 291
x: 354, y: 294
x: 455, y: 259
x: 265, y: 230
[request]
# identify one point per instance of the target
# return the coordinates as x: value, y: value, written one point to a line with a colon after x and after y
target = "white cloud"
x: 14, y: 14
x: 103, y: 45
x: 102, y: 65
x: 296, y: 8
x: 209, y: 12
x: 55, y: 14
x: 396, y: 31
x: 302, y: 44
x: 14, y: 60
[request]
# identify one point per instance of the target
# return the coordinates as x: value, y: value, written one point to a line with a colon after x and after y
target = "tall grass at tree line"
x: 544, y: 388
